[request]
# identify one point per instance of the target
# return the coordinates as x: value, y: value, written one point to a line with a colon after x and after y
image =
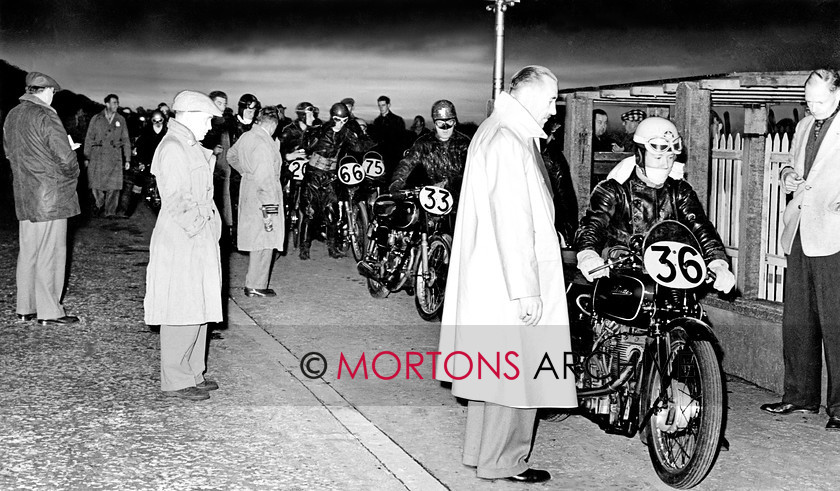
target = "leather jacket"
x: 442, y: 161
x: 291, y: 138
x: 617, y: 211
x: 322, y: 140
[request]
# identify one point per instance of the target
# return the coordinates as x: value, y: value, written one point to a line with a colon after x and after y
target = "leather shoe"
x: 208, y: 384
x: 787, y: 408
x: 833, y: 424
x: 531, y: 476
x: 189, y: 393
x: 67, y: 319
x: 26, y: 317
x: 259, y: 292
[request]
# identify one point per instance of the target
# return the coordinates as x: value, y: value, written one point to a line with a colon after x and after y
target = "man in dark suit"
x: 389, y: 132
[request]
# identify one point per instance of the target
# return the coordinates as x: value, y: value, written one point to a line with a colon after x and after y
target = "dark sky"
x: 414, y: 51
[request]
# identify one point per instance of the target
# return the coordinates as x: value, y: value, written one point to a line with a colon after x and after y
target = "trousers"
x: 259, y: 268
x: 42, y: 260
x: 106, y: 200
x: 182, y: 352
x: 498, y: 439
x: 811, y: 322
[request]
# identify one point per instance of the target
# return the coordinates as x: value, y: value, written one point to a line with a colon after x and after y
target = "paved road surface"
x: 81, y: 408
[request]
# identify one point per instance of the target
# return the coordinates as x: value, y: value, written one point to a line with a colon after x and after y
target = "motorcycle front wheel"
x: 683, y: 433
x: 430, y: 286
x: 360, y: 225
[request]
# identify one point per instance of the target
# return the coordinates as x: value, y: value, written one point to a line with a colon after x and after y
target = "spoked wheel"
x: 684, y: 430
x: 430, y: 285
x: 358, y: 242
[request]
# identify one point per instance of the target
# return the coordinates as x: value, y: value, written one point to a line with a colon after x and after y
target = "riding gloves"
x: 724, y: 279
x: 587, y: 260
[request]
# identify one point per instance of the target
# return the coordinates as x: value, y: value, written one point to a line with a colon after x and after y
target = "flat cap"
x: 38, y: 79
x: 194, y: 101
x: 633, y: 115
x: 348, y: 101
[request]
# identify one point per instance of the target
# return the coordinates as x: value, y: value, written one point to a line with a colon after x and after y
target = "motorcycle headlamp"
x: 661, y: 144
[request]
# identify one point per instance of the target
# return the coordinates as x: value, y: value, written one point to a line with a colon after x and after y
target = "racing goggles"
x: 661, y: 144
x: 444, y: 124
x: 337, y: 120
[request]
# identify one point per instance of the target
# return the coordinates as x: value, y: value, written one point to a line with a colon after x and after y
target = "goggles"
x: 444, y: 124
x: 157, y: 121
x: 660, y: 144
x: 340, y: 120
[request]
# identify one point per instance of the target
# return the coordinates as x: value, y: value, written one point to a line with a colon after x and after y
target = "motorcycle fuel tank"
x: 396, y: 213
x: 622, y: 296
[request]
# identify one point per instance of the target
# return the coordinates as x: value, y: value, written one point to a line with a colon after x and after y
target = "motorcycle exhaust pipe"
x: 615, y: 384
x: 366, y: 270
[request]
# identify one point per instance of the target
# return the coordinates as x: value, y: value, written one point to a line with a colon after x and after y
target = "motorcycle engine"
x: 614, y: 345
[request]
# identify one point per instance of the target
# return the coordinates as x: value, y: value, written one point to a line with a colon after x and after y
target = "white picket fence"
x: 724, y: 206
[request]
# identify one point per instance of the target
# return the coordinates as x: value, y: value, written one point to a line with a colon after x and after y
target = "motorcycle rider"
x: 326, y: 144
x: 145, y: 147
x: 292, y: 135
x: 442, y: 153
x: 640, y: 192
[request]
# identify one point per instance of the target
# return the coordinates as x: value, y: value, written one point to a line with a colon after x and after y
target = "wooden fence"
x: 724, y: 206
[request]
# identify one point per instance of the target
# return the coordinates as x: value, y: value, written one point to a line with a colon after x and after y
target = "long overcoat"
x: 108, y: 147
x: 184, y: 276
x: 256, y: 155
x: 505, y: 248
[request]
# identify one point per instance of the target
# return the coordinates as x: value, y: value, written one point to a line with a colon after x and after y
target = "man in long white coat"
x: 505, y: 330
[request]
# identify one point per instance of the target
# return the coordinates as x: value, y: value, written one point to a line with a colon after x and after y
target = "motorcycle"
x: 352, y: 219
x: 355, y: 210
x: 646, y: 358
x: 294, y: 213
x: 409, y: 247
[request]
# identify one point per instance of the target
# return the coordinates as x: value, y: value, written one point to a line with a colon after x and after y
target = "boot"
x: 331, y: 244
x: 305, y: 240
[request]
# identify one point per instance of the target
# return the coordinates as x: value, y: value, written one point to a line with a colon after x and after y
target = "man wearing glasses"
x: 326, y: 145
x: 640, y: 192
x: 442, y: 154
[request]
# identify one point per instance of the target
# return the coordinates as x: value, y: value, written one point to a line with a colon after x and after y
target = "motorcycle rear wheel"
x: 430, y: 288
x: 683, y: 450
x: 359, y: 241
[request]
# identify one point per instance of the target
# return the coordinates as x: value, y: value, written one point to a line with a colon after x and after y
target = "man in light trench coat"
x: 505, y: 292
x: 184, y: 277
x: 261, y: 225
x: 108, y: 149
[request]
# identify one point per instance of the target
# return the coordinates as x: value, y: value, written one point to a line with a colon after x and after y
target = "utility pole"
x: 499, y: 7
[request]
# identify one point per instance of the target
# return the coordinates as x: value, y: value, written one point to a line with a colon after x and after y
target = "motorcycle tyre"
x: 441, y: 268
x: 359, y: 244
x: 711, y: 417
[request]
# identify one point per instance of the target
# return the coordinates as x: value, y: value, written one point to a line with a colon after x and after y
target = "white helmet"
x: 658, y: 135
